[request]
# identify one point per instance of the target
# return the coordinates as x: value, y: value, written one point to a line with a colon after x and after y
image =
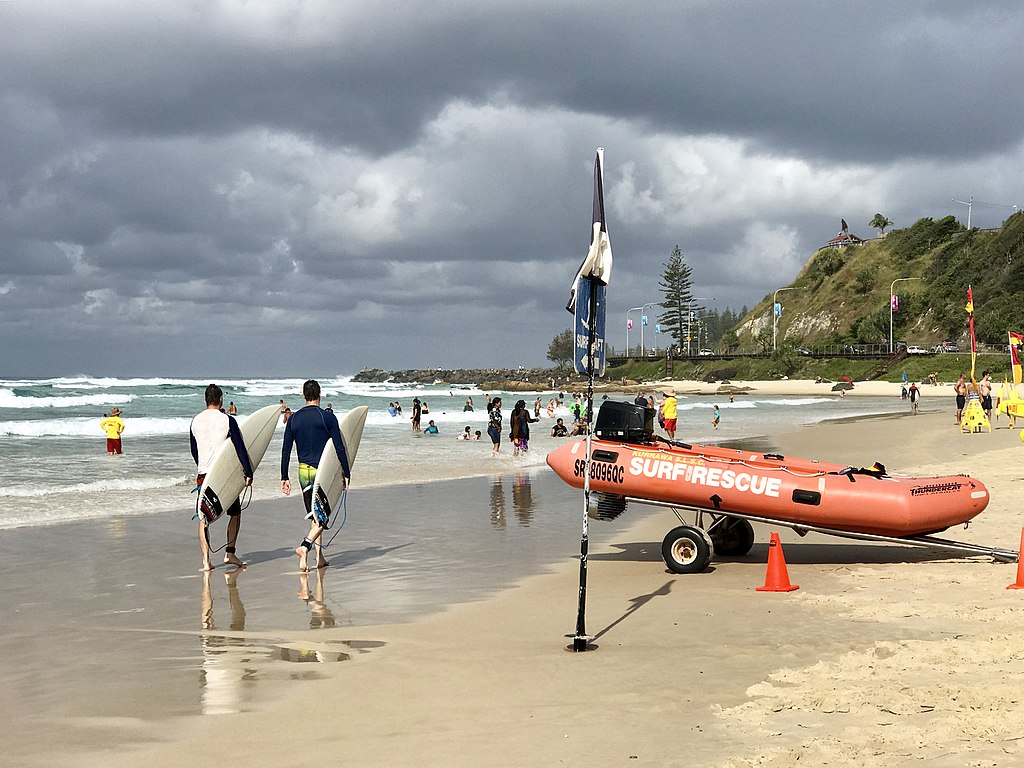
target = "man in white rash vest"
x: 208, y: 430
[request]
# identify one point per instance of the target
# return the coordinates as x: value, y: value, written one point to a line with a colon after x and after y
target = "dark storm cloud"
x: 413, y: 182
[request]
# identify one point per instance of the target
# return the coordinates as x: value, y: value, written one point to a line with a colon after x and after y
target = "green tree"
x: 676, y: 285
x: 561, y: 348
x: 880, y: 222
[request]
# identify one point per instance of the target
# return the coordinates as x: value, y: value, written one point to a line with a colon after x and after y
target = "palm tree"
x: 880, y: 222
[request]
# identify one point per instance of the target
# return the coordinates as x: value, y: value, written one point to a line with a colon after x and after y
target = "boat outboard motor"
x: 625, y: 422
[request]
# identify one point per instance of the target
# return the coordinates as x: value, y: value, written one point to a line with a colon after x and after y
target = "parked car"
x: 803, y: 351
x: 913, y: 349
x: 706, y: 353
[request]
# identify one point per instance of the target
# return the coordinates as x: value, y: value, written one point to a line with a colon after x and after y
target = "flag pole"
x: 587, y: 304
x: 581, y: 641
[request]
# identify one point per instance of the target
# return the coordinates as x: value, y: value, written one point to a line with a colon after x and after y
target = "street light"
x: 970, y: 205
x: 892, y: 290
x: 775, y: 315
x: 643, y: 350
x: 689, y: 320
x: 634, y: 309
x: 641, y: 311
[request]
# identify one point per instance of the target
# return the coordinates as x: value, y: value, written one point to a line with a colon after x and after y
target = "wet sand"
x: 887, y: 655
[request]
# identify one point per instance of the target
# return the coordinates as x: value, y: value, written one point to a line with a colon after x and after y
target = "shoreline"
x: 753, y: 678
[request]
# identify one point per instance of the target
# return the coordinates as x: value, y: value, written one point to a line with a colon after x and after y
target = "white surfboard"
x: 328, y: 483
x: 224, y: 480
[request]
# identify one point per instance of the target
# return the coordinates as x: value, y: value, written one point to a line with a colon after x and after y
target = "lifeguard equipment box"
x: 625, y: 422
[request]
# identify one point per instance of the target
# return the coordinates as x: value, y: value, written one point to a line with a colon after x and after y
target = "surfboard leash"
x: 344, y: 516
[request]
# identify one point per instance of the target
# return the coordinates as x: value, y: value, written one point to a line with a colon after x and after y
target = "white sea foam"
x: 9, y: 399
x: 98, y: 486
x: 90, y: 427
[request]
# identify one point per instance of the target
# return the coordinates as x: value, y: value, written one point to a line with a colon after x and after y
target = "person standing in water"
x: 519, y: 424
x: 113, y: 426
x: 309, y: 429
x: 668, y: 410
x: 494, y: 424
x: 716, y: 416
x: 208, y: 430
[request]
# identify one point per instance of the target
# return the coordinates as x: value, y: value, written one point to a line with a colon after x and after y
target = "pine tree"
x: 676, y: 286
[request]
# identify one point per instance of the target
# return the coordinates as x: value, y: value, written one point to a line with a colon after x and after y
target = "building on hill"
x: 843, y: 240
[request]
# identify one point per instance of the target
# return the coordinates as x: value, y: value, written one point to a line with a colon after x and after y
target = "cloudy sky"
x: 290, y: 187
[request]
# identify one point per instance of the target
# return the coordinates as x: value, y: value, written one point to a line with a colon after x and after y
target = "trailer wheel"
x: 687, y: 549
x: 733, y: 536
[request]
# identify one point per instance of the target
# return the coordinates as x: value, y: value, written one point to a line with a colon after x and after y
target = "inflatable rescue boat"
x: 628, y: 463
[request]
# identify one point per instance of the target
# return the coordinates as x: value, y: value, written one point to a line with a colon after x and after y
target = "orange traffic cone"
x: 1019, y: 583
x: 777, y: 577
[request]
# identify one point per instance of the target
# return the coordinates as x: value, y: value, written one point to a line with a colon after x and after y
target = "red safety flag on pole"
x: 970, y: 323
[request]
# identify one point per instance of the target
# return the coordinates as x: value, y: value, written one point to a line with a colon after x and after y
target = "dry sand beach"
x: 885, y: 656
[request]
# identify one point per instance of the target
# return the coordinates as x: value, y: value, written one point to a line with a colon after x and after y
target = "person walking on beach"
x: 913, y: 393
x: 668, y: 410
x: 113, y: 426
x: 519, y: 424
x: 494, y: 424
x: 716, y: 416
x: 960, y: 388
x: 310, y: 428
x: 207, y: 432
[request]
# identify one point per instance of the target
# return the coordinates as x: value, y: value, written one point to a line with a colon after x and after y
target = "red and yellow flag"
x: 970, y: 323
x: 1016, y: 339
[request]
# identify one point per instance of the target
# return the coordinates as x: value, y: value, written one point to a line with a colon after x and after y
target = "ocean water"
x: 54, y: 467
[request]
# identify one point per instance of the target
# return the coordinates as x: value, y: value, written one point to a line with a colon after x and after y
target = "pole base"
x: 580, y: 643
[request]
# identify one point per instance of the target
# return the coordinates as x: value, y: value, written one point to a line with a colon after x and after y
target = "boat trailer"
x: 688, y: 548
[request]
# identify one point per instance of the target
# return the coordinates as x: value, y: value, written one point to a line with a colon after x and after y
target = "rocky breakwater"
x: 504, y: 379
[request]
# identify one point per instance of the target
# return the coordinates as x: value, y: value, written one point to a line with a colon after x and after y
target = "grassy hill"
x: 843, y: 295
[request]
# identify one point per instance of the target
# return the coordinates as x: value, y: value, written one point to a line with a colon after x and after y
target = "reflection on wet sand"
x: 497, y: 503
x: 320, y: 615
x: 232, y: 664
x: 227, y: 661
x: 522, y: 498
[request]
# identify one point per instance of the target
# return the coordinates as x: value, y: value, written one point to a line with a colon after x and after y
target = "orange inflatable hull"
x: 795, y: 491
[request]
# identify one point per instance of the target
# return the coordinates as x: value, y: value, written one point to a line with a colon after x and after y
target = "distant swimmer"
x: 113, y: 426
x: 466, y: 435
x: 209, y: 429
x: 559, y: 430
x: 431, y: 428
x: 468, y: 406
x: 716, y: 416
x: 310, y: 429
x: 392, y: 409
x: 232, y: 410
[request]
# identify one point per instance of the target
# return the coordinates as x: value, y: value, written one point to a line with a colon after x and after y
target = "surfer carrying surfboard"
x: 208, y: 431
x: 309, y: 429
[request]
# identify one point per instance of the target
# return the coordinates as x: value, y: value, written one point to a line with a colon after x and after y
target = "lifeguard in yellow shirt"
x: 668, y: 410
x: 113, y: 426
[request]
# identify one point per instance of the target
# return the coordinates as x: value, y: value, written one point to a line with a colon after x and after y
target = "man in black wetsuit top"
x: 309, y: 429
